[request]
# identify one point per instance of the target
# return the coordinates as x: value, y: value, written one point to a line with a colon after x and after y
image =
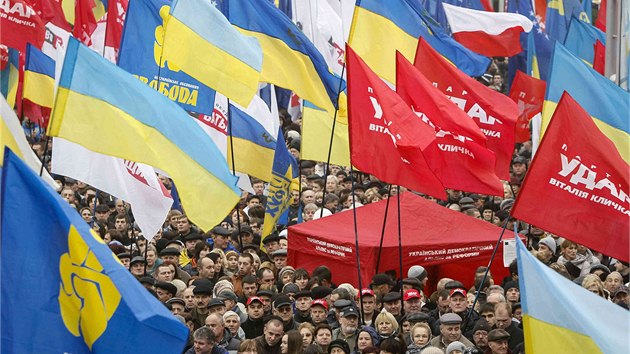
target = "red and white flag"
x: 577, y: 186
x: 116, y: 12
x: 385, y: 137
x: 493, y: 112
x: 458, y: 155
x: 494, y: 34
x: 133, y: 182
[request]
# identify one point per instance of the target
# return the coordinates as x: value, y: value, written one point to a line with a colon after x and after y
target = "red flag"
x: 51, y: 11
x: 492, y: 111
x: 529, y: 93
x: 385, y: 137
x: 116, y: 11
x: 84, y: 21
x: 577, y: 186
x: 457, y: 156
x: 601, y: 16
x: 599, y: 63
x: 35, y: 113
x: 20, y: 24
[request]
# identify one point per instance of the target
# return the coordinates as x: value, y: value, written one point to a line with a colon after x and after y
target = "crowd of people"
x: 238, y: 296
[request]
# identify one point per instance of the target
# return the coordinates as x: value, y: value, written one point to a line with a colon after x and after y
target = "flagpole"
x: 356, y: 241
x: 238, y: 214
x: 332, y: 136
x: 380, y: 245
x: 106, y: 28
x: 400, y: 254
x: 485, y: 275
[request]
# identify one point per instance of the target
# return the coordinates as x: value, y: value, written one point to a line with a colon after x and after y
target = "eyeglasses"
x: 284, y: 309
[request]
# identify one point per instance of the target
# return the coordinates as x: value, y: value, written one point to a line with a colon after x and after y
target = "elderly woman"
x: 386, y: 325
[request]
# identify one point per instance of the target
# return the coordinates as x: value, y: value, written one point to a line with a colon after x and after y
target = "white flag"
x: 319, y: 21
x: 132, y: 182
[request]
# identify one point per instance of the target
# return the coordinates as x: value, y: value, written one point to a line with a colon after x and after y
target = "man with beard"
x: 348, y: 326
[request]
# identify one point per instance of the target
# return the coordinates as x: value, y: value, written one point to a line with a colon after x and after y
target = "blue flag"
x: 63, y: 290
x: 141, y: 55
x: 519, y: 61
x: 285, y: 169
x: 539, y: 50
x: 581, y: 39
x: 558, y: 17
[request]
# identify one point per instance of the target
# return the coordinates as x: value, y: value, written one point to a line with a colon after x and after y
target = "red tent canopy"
x: 447, y: 243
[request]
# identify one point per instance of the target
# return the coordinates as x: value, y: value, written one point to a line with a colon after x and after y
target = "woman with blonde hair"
x: 594, y: 284
x: 307, y: 330
x: 420, y: 338
x: 386, y: 325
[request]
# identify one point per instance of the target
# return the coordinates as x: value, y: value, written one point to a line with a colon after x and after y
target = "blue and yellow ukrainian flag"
x: 607, y: 103
x: 9, y: 77
x: 560, y: 316
x: 558, y: 17
x: 285, y: 170
x: 107, y: 110
x: 581, y: 39
x: 539, y: 50
x: 254, y: 145
x: 39, y: 77
x: 316, y: 131
x: 380, y: 28
x: 290, y: 60
x: 74, y: 292
x: 201, y: 41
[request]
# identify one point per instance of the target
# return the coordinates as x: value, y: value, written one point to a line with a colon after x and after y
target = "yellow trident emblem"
x: 87, y: 297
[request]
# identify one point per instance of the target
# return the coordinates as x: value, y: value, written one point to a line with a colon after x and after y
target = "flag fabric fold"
x: 316, y: 131
x: 291, y: 61
x: 560, y: 316
x: 132, y: 182
x: 253, y: 142
x: 12, y: 136
x: 78, y: 292
x: 529, y: 95
x: 141, y: 55
x: 231, y: 63
x: 122, y: 117
x: 20, y: 25
x: 9, y: 73
x: 381, y: 28
x: 385, y: 137
x: 494, y: 113
x: 458, y: 155
x: 581, y: 39
x: 577, y: 165
x: 285, y: 170
x: 487, y: 33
